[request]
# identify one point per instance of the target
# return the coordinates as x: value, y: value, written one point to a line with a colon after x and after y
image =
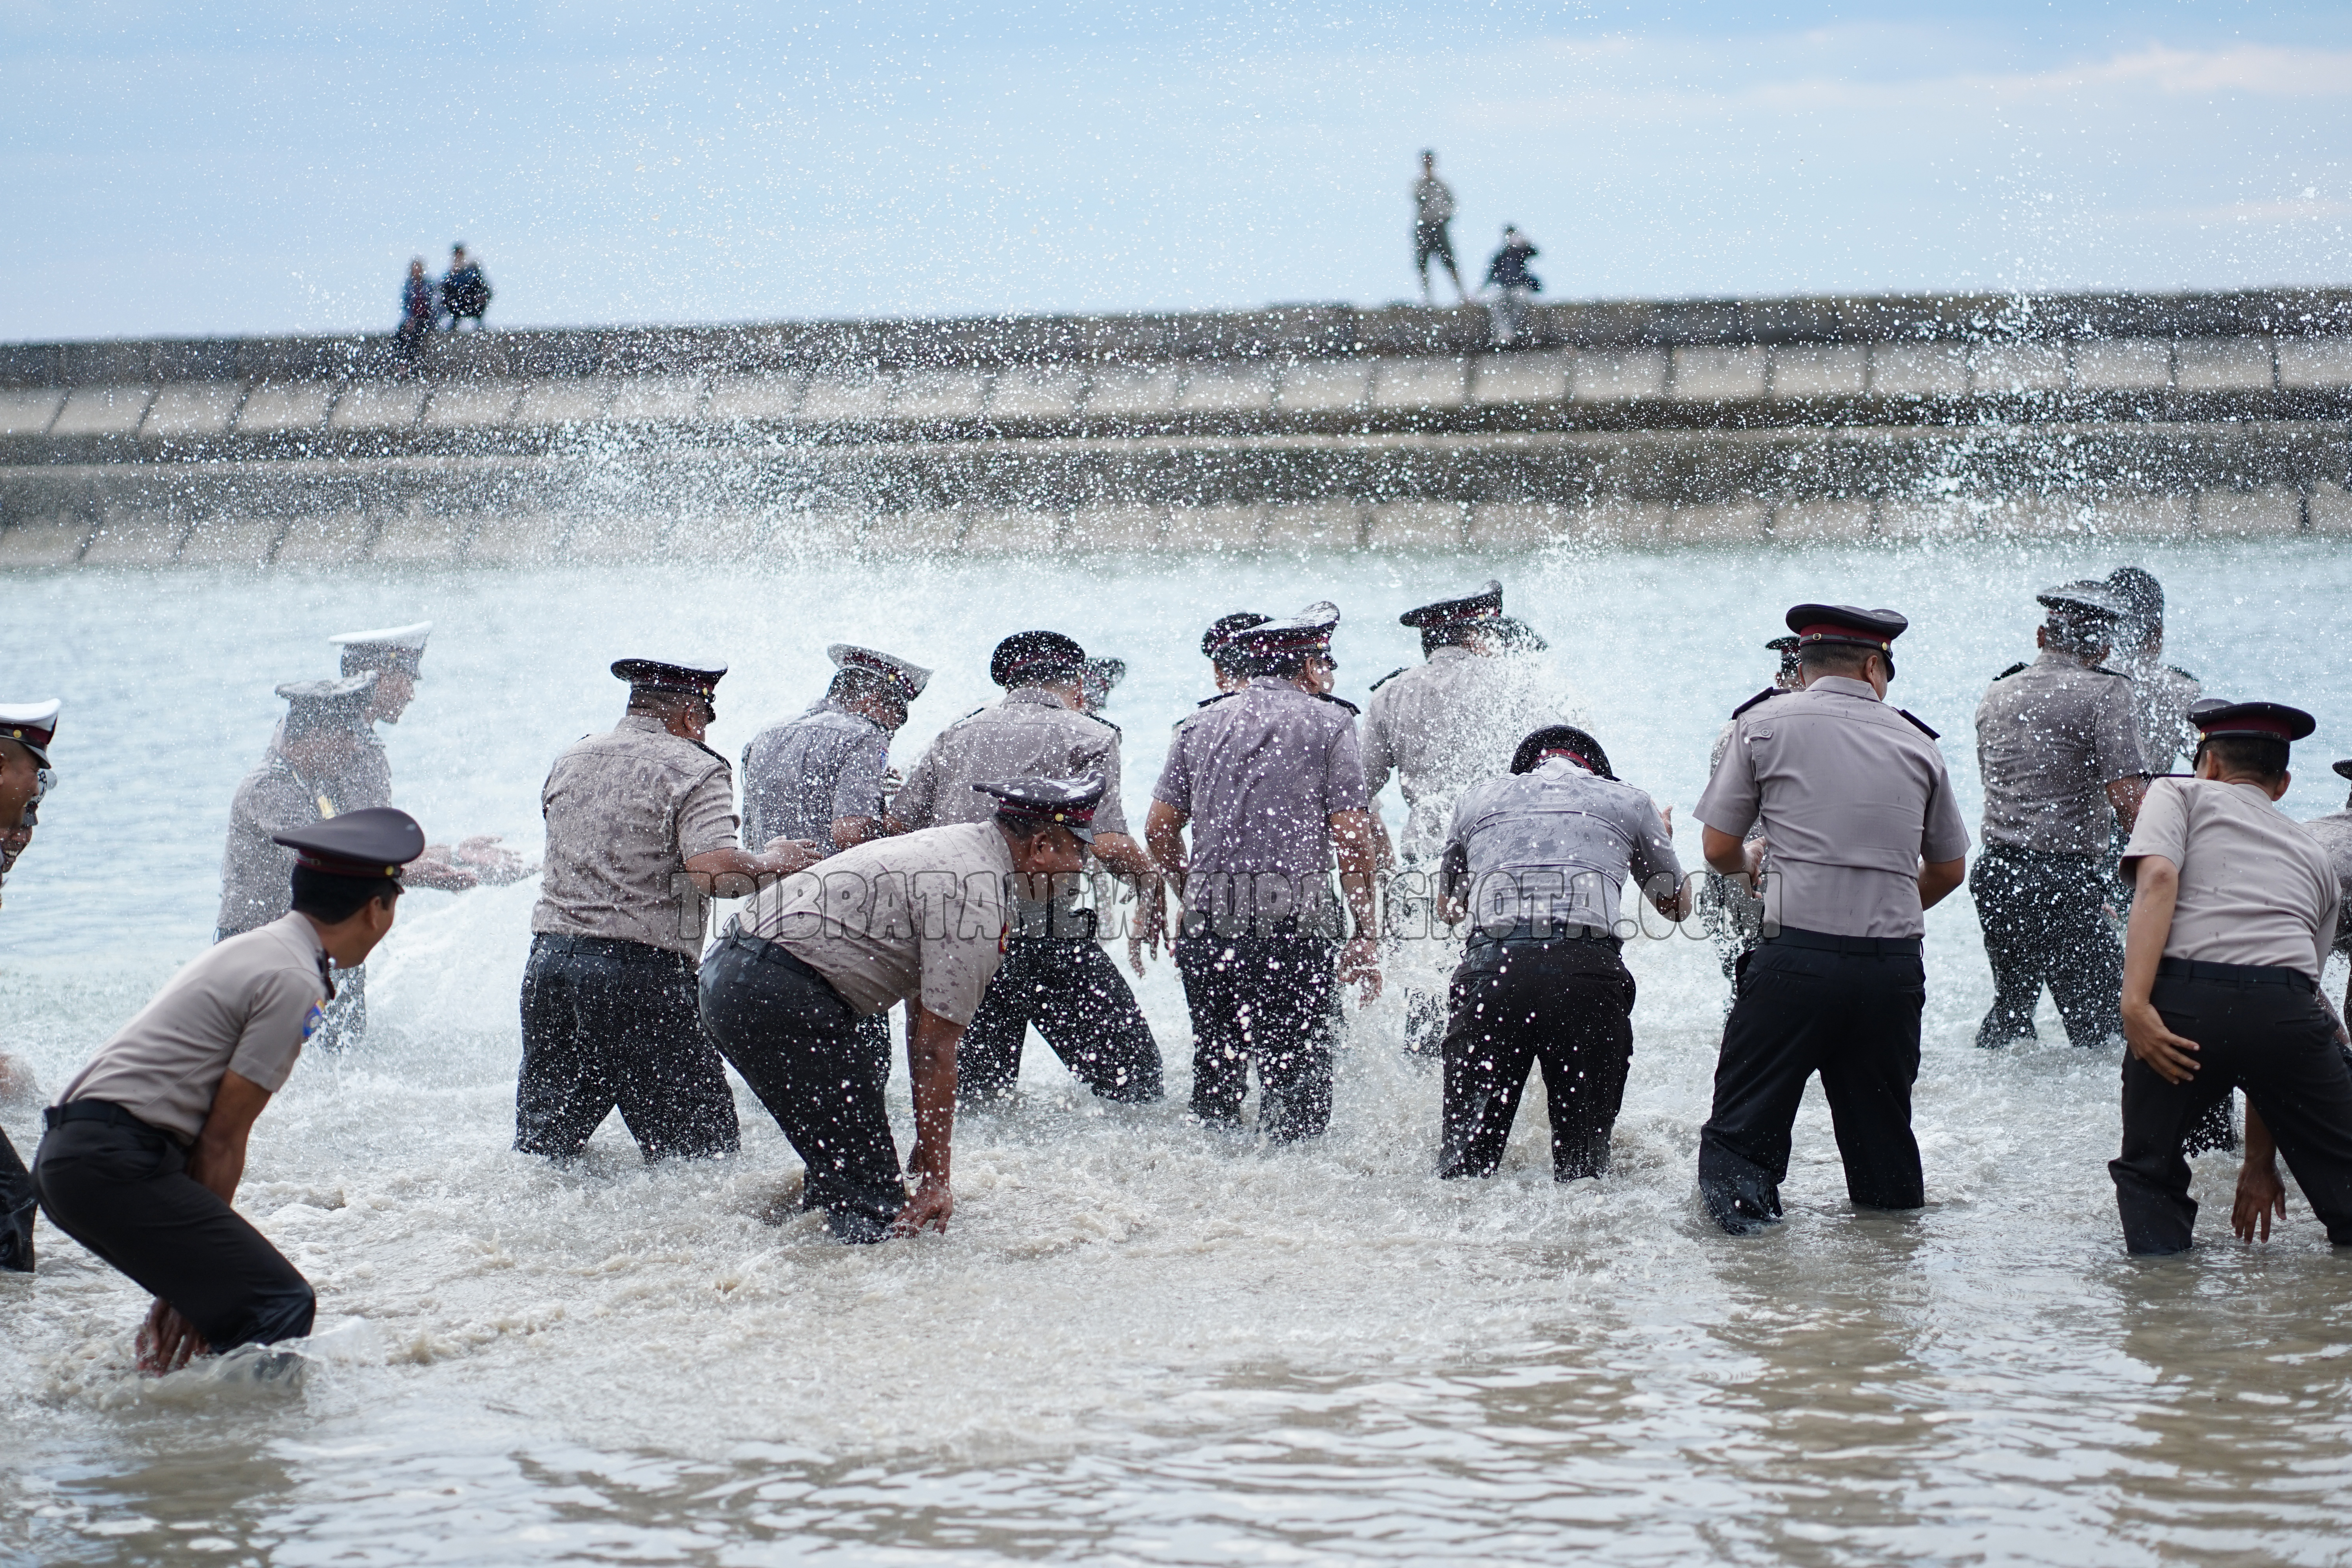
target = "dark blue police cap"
x: 1061, y: 803
x: 1221, y: 632
x: 672, y: 674
x: 374, y: 841
x: 1485, y: 604
x: 1029, y: 658
x: 2270, y: 721
x: 1846, y: 624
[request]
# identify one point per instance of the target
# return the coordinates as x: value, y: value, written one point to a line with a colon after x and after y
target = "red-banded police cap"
x: 31, y: 725
x: 2271, y: 720
x: 1847, y: 623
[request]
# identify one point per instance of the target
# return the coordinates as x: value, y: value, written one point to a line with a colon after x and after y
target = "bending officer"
x: 27, y: 729
x: 147, y: 1144
x: 821, y: 776
x: 1861, y: 835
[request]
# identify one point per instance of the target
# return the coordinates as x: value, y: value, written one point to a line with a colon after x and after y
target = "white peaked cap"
x: 411, y: 636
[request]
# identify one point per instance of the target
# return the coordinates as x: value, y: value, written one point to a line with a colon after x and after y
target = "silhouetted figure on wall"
x: 464, y: 292
x: 1433, y: 210
x: 1514, y: 287
x: 418, y: 309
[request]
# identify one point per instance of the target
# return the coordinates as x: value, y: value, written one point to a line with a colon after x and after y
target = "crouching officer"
x: 1271, y: 781
x: 2058, y: 746
x: 26, y: 732
x: 820, y: 777
x: 917, y: 919
x: 1536, y: 862
x: 146, y: 1146
x: 1055, y: 973
x: 1861, y: 835
x: 640, y: 826
x: 1728, y: 910
x: 2233, y: 911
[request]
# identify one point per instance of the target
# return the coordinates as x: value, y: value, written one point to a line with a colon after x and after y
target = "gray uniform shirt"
x: 1260, y: 775
x: 1554, y: 843
x: 920, y: 918
x: 1852, y: 797
x: 802, y: 775
x: 1031, y: 734
x: 626, y: 811
x: 2161, y: 699
x: 245, y: 1006
x: 257, y: 876
x: 2334, y: 833
x: 1444, y: 725
x: 2255, y: 886
x: 2050, y: 739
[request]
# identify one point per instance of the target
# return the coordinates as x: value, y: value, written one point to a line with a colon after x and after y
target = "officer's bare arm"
x: 217, y: 1162
x: 849, y: 832
x: 1163, y: 830
x: 735, y: 874
x: 1729, y: 854
x: 2260, y: 1195
x: 2125, y: 795
x: 931, y: 1065
x: 2156, y: 890
x: 1353, y: 837
x: 1938, y: 877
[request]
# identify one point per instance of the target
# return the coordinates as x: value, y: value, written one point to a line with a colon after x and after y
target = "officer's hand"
x: 792, y: 855
x: 2260, y: 1195
x: 432, y: 871
x: 167, y: 1340
x: 927, y: 1210
x: 2173, y: 1058
x: 1360, y: 960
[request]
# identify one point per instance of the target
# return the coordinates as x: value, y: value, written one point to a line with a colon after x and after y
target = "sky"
x: 204, y: 168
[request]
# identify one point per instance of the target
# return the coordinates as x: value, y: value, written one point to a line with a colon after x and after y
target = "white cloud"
x: 2265, y: 69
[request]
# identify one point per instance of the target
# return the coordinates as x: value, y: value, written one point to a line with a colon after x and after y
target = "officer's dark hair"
x: 1286, y: 663
x: 851, y: 684
x: 1453, y: 634
x: 304, y: 720
x: 2078, y: 634
x: 1567, y: 738
x: 333, y: 900
x: 2140, y: 592
x: 1027, y: 828
x: 1839, y: 658
x: 2263, y: 757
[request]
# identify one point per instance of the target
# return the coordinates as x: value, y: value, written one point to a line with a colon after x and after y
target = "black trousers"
x: 124, y: 1193
x: 17, y: 1206
x: 2266, y: 1031
x: 1564, y: 1005
x: 2045, y: 925
x: 608, y: 1023
x: 1262, y: 997
x: 1847, y: 1008
x: 1072, y: 990
x: 819, y: 1069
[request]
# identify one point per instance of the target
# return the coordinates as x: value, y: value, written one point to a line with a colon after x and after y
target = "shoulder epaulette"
x: 2182, y: 673
x: 1220, y: 696
x: 2102, y: 670
x: 1107, y: 725
x: 1342, y: 702
x: 1392, y: 675
x: 2012, y: 669
x: 973, y: 714
x: 706, y: 752
x: 1768, y: 691
x: 1919, y: 724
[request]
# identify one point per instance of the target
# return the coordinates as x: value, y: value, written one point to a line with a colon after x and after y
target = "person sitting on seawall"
x: 146, y: 1146
x: 1514, y: 287
x: 2233, y: 911
x: 917, y: 918
x: 26, y: 732
x: 464, y: 292
x: 1536, y: 861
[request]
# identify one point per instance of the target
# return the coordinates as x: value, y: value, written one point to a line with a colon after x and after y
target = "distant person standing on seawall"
x: 1433, y: 210
x: 418, y: 309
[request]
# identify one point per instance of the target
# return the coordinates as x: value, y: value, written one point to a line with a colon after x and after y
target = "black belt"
x: 1868, y: 946
x: 627, y: 951
x: 2236, y: 974
x: 103, y: 1111
x: 1548, y: 931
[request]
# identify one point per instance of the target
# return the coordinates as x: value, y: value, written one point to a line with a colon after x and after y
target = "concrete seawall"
x: 1312, y: 428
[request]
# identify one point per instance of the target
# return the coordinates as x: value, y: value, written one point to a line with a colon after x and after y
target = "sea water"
x: 1141, y: 1341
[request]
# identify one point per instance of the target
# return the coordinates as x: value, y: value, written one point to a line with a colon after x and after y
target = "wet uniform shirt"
x: 245, y: 1006
x: 257, y: 876
x: 2050, y: 739
x: 918, y: 918
x: 2161, y: 699
x: 1029, y: 734
x: 1852, y: 797
x: 1444, y: 725
x: 802, y: 775
x: 1554, y: 844
x: 2255, y: 886
x: 1260, y: 775
x: 626, y: 811
x: 2334, y: 833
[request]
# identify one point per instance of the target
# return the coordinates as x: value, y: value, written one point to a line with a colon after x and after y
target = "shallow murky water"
x: 1142, y: 1341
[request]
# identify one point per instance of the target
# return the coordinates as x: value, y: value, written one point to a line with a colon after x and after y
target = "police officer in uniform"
x: 2236, y: 910
x: 1728, y: 910
x: 2058, y: 746
x: 1100, y: 679
x: 1055, y: 973
x: 27, y: 729
x: 146, y: 1146
x: 917, y: 919
x: 1271, y: 781
x: 2333, y: 832
x: 1861, y: 835
x: 822, y: 776
x: 1227, y: 666
x: 640, y: 827
x: 2161, y: 692
x: 1536, y: 861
